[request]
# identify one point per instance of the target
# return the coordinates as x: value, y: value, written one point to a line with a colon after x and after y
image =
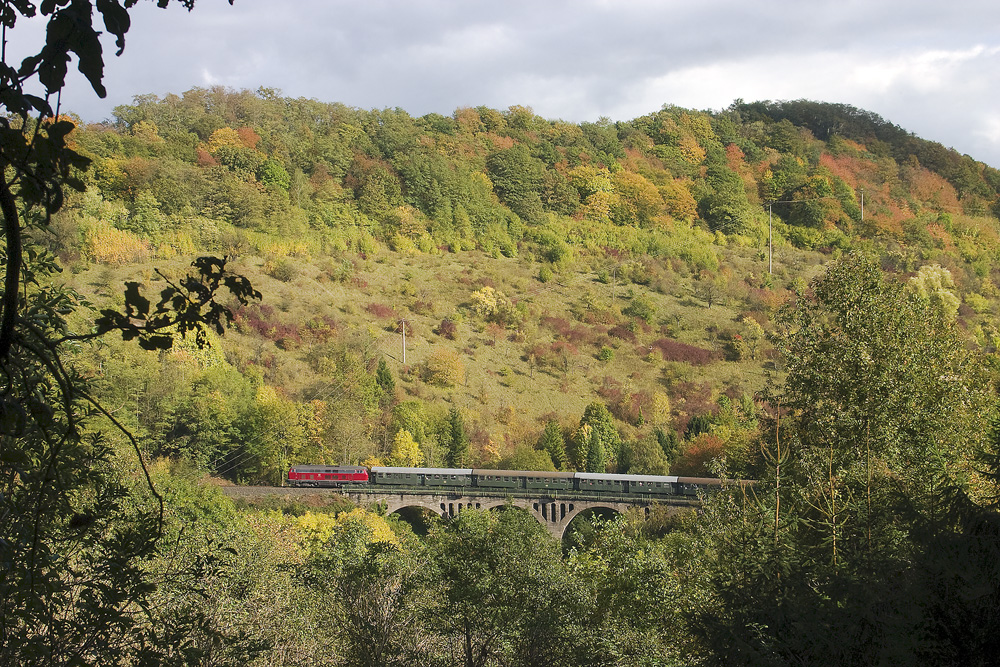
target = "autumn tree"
x: 405, y: 450
x: 444, y: 368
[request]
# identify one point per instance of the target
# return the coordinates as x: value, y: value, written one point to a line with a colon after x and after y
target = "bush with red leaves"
x: 695, y: 458
x: 448, y: 329
x: 622, y: 332
x: 674, y: 350
x: 381, y: 311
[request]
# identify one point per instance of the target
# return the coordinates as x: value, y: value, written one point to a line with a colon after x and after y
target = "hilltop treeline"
x: 493, y: 179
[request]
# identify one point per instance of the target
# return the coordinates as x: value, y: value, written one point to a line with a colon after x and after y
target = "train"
x: 461, y: 479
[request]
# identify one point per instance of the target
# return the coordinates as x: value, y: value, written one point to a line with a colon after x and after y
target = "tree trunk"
x: 12, y: 232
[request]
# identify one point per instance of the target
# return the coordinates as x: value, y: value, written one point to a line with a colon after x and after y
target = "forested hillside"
x: 555, y: 280
x: 215, y: 286
x: 600, y: 297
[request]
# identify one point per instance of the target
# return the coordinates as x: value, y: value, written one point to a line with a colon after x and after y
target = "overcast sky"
x: 929, y: 66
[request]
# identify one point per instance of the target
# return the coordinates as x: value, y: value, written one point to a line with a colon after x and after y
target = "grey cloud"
x: 568, y: 59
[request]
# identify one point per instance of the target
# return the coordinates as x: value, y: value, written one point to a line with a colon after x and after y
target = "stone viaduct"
x: 555, y: 513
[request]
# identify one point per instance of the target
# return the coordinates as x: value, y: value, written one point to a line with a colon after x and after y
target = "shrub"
x: 422, y: 307
x: 560, y: 353
x: 622, y: 332
x: 381, y: 311
x: 696, y: 458
x: 610, y: 390
x: 108, y: 245
x: 565, y: 330
x: 606, y: 354
x: 261, y: 319
x: 642, y: 308
x: 544, y: 274
x: 319, y: 329
x: 448, y: 328
x: 283, y: 269
x: 444, y: 368
x: 674, y: 350
x: 339, y: 272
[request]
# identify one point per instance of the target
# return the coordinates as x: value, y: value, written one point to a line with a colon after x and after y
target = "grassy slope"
x: 504, y: 396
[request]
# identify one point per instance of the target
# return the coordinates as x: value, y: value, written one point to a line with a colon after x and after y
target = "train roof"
x: 309, y: 467
x: 710, y: 481
x: 665, y: 479
x: 522, y: 473
x: 603, y: 475
x: 424, y: 471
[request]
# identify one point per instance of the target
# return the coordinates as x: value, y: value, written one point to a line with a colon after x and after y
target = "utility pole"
x: 402, y: 327
x: 770, y: 244
x: 614, y: 279
x: 862, y: 204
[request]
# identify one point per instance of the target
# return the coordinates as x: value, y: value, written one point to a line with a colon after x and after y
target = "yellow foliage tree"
x: 444, y: 368
x: 639, y: 202
x: 485, y: 301
x: 659, y: 411
x: 691, y: 151
x: 108, y: 245
x: 933, y: 286
x: 315, y: 528
x: 678, y: 201
x: 378, y: 528
x: 209, y: 356
x: 407, y: 221
x: 147, y: 131
x: 405, y: 450
x: 224, y: 136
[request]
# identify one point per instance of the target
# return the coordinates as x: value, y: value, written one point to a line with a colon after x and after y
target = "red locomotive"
x: 320, y: 475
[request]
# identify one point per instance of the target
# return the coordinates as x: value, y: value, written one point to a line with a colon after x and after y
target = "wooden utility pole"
x: 402, y: 327
x: 614, y: 280
x: 770, y: 244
